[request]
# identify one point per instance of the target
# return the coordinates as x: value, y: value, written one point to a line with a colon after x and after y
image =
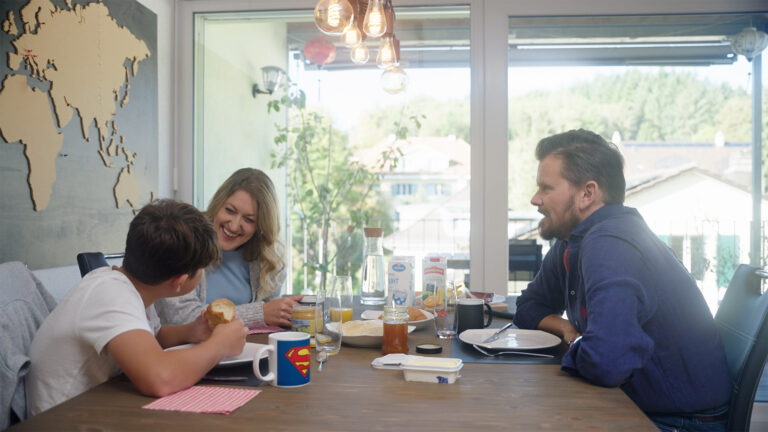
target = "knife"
x: 497, y: 334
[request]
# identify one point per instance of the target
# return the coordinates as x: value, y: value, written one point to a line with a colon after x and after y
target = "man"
x: 636, y: 318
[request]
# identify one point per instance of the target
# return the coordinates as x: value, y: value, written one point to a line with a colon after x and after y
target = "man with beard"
x: 636, y: 318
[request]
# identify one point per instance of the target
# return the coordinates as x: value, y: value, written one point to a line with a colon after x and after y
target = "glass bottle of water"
x: 373, y: 290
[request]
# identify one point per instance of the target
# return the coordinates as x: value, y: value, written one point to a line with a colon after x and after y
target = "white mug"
x: 289, y: 359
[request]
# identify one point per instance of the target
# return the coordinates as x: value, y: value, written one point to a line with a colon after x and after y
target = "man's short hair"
x: 587, y: 156
x: 167, y: 239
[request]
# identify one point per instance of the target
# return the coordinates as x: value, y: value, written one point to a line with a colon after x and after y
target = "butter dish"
x: 436, y: 370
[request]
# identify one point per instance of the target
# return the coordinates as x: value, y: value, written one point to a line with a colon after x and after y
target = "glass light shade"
x: 375, y: 23
x: 359, y: 54
x: 272, y: 75
x: 394, y: 80
x: 386, y: 56
x: 333, y: 16
x: 749, y: 42
x: 352, y: 36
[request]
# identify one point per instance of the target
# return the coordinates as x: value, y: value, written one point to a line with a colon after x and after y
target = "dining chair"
x: 742, y: 319
x: 88, y: 261
x: 24, y: 305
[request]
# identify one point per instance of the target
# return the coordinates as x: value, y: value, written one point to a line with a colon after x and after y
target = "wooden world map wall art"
x: 71, y: 61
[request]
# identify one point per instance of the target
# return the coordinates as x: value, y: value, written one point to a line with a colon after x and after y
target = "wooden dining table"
x: 350, y: 395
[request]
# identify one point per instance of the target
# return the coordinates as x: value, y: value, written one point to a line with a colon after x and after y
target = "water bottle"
x: 373, y: 290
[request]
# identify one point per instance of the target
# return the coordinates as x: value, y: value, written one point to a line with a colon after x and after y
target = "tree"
x: 326, y: 184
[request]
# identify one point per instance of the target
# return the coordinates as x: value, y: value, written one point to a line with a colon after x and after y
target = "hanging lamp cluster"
x: 357, y: 20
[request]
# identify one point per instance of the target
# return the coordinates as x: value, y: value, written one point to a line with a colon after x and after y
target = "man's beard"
x: 563, y: 230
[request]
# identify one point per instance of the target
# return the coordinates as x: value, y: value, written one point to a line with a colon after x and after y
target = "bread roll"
x: 415, y: 314
x: 220, y: 311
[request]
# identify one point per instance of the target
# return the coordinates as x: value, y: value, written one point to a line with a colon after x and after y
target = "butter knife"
x: 497, y: 334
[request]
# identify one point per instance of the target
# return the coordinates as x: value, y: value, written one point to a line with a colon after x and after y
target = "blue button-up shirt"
x: 645, y: 325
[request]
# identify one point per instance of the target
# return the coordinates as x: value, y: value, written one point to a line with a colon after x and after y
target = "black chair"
x: 742, y: 319
x: 524, y: 260
x: 88, y: 261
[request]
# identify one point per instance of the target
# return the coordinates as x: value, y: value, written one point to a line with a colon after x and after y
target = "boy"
x: 106, y: 323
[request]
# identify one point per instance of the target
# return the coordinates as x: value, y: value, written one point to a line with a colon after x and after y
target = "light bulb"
x: 333, y: 16
x: 386, y: 56
x: 352, y: 36
x: 394, y: 80
x: 359, y: 54
x: 375, y: 23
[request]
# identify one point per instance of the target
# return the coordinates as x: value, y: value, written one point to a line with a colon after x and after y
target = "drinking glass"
x: 342, y: 284
x: 442, y: 303
x: 327, y: 324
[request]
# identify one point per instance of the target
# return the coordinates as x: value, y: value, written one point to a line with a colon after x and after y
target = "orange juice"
x: 346, y: 314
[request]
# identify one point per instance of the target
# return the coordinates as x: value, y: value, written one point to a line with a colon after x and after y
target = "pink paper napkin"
x: 204, y: 399
x: 265, y: 329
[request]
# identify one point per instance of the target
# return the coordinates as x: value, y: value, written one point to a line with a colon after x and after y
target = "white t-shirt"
x: 67, y: 353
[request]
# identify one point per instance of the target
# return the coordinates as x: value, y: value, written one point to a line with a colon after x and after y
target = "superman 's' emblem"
x: 299, y: 358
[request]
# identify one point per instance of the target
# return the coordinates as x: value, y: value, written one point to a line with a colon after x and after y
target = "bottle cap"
x: 429, y: 348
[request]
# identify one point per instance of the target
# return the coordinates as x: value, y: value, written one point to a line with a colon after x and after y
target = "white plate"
x: 515, y: 339
x: 246, y: 356
x: 362, y: 340
x: 376, y: 314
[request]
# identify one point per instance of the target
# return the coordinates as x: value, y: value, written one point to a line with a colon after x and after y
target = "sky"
x: 346, y: 95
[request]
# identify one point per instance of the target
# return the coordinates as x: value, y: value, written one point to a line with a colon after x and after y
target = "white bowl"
x: 364, y: 340
x: 376, y: 314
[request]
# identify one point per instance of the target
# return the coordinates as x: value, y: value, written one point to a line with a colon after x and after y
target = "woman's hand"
x: 278, y: 312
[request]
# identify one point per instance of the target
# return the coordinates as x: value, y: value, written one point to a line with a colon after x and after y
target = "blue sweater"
x: 645, y: 325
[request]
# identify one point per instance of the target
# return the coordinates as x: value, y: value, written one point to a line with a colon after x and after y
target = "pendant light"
x: 750, y: 42
x: 375, y: 22
x: 333, y: 16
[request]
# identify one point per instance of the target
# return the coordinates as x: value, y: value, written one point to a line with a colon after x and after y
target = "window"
x: 501, y: 173
x: 407, y: 189
x: 338, y: 173
x: 670, y: 92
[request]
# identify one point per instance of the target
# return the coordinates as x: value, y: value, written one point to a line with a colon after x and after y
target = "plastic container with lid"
x: 437, y: 370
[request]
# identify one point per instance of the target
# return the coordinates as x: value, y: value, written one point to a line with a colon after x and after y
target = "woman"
x: 251, y: 273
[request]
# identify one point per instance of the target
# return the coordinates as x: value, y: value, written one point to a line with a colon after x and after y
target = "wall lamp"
x: 271, y: 75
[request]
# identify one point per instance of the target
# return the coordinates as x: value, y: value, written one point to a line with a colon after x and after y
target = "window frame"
x: 488, y: 100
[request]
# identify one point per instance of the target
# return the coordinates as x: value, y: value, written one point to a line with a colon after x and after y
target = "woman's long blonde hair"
x: 265, y: 244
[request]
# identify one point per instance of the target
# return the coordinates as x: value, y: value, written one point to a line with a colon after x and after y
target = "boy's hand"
x: 230, y: 337
x: 199, y: 329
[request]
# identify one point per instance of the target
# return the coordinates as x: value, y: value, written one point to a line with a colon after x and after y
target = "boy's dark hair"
x: 587, y: 156
x: 166, y: 239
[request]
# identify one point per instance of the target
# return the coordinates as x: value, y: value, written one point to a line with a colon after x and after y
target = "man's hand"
x: 558, y: 326
x: 278, y: 312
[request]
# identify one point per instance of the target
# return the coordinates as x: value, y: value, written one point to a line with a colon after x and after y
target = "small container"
x: 435, y: 370
x: 395, y: 340
x: 303, y: 315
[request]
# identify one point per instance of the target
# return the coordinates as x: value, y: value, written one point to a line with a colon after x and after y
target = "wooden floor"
x: 759, y: 417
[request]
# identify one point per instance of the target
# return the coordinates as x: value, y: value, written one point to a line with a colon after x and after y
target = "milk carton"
x: 400, y: 285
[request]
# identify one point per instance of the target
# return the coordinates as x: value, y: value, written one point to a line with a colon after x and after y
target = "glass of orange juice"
x: 342, y: 284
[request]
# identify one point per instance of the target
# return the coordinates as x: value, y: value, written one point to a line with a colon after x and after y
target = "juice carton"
x: 434, y: 268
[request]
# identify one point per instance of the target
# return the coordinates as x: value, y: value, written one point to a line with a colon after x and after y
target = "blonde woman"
x: 251, y: 273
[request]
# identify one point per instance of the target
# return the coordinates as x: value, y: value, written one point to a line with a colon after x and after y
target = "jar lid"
x: 373, y: 231
x: 308, y: 300
x: 429, y: 348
